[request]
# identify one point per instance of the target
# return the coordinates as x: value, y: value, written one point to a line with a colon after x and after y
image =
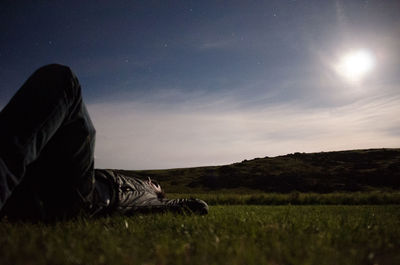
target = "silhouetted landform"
x: 355, y: 170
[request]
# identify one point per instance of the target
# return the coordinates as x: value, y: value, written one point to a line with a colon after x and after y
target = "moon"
x: 355, y: 65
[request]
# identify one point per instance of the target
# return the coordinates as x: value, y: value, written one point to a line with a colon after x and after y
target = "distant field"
x: 228, y: 235
x: 295, y: 198
x: 325, y: 172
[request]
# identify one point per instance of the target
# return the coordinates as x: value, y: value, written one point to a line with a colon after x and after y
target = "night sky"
x: 190, y: 83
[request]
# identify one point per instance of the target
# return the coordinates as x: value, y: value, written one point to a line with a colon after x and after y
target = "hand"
x: 154, y: 185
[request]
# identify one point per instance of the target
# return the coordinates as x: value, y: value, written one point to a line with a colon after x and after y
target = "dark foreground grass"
x: 228, y: 235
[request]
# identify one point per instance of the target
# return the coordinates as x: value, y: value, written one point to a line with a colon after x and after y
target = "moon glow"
x: 355, y: 65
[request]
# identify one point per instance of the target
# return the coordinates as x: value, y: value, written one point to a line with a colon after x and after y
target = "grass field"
x: 342, y: 171
x: 296, y: 198
x: 241, y: 234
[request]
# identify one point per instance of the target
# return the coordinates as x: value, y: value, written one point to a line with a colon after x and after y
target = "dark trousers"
x: 46, y: 147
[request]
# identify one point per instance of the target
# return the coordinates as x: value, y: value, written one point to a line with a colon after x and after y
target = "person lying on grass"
x: 47, y: 158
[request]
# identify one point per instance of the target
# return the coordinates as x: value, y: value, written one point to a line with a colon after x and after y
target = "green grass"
x: 296, y: 198
x: 228, y: 235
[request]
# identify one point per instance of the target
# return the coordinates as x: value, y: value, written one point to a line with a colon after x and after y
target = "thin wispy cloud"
x: 134, y: 135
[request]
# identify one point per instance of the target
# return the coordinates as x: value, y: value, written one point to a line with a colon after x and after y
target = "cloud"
x: 136, y: 135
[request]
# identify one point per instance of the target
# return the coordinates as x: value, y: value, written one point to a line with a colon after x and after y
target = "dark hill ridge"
x: 355, y: 170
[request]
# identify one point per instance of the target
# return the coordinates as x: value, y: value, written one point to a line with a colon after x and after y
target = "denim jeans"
x: 46, y: 147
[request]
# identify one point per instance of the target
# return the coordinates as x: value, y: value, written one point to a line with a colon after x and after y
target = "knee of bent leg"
x: 58, y: 77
